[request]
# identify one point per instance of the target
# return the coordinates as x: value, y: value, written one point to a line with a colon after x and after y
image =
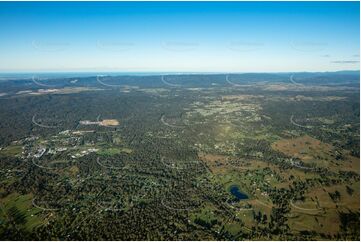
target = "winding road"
x: 44, y: 209
x: 231, y: 83
x: 293, y: 81
x: 41, y: 84
x: 169, y: 84
x: 304, y: 209
x: 170, y: 125
x: 108, y: 85
x: 42, y: 125
x: 299, y: 125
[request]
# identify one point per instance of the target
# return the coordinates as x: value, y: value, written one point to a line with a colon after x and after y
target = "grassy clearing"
x: 206, y: 214
x: 24, y: 209
x: 12, y: 150
x: 220, y: 164
x: 114, y: 151
x: 314, y: 152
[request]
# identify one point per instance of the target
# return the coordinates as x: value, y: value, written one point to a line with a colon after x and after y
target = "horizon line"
x: 179, y: 72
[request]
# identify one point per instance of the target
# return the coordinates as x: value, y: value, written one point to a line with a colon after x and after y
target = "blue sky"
x: 179, y: 36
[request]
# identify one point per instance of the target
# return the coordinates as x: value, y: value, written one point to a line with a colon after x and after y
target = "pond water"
x: 237, y: 193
